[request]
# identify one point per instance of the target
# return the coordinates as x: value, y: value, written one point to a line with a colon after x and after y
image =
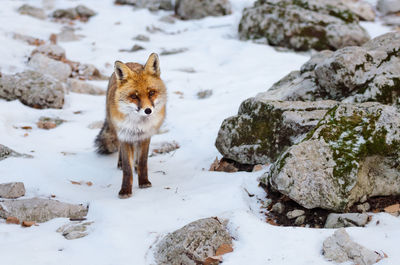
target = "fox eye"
x: 134, y: 96
x: 151, y: 93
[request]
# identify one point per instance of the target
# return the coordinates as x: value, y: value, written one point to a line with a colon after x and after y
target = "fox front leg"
x: 126, y: 153
x: 143, y: 153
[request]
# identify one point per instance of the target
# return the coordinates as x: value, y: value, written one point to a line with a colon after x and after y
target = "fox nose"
x: 147, y: 111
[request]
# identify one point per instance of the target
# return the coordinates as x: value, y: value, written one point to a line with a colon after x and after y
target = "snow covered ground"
x: 183, y: 189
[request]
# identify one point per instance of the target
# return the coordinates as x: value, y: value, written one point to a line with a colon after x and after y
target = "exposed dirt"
x: 314, y: 218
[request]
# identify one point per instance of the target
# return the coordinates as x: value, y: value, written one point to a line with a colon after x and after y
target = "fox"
x: 135, y: 110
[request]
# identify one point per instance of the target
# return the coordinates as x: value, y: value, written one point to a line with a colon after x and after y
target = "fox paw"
x: 124, y: 194
x: 145, y: 185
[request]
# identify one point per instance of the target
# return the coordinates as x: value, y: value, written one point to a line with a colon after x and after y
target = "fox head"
x: 139, y: 89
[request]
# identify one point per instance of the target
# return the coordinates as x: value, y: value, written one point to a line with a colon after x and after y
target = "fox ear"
x: 153, y: 65
x: 121, y: 70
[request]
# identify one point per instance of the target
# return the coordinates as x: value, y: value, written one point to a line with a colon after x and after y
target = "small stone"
x: 48, y: 66
x: 300, y: 220
x: 335, y: 220
x: 134, y: 48
x: 257, y: 167
x: 12, y: 220
x: 12, y: 190
x: 32, y: 11
x: 173, y: 51
x: 67, y: 34
x: 278, y: 208
x: 51, y: 50
x: 340, y: 248
x: 393, y: 209
x: 49, y: 123
x: 363, y: 207
x: 6, y: 152
x: 294, y: 214
x: 74, y: 230
x: 82, y: 87
x: 204, y: 94
x: 195, y: 9
x: 141, y: 37
x: 363, y: 199
x: 267, y: 203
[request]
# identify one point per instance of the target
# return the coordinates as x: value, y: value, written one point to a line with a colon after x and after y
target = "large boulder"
x: 41, y: 210
x: 264, y: 128
x: 79, y: 12
x: 193, y: 243
x: 352, y: 153
x: 353, y: 74
x: 33, y: 89
x: 302, y: 24
x: 196, y: 9
x: 362, y: 9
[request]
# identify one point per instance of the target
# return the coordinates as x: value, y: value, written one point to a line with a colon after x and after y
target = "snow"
x: 125, y: 231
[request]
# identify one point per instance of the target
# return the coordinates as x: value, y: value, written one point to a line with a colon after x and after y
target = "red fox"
x: 135, y: 110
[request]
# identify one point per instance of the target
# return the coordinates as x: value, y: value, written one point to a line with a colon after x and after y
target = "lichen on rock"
x: 351, y: 153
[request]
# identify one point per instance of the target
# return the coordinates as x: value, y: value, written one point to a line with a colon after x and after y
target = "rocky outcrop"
x: 302, y: 25
x: 152, y: 5
x: 340, y: 248
x: 6, y: 152
x: 352, y: 153
x: 40, y: 210
x: 45, y: 65
x: 352, y: 74
x: 193, y: 243
x: 264, y: 128
x: 32, y: 89
x: 12, y: 190
x: 32, y: 11
x: 196, y: 9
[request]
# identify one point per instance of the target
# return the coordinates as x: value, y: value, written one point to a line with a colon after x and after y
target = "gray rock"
x: 141, y: 37
x: 6, y: 152
x: 41, y: 210
x: 352, y: 74
x: 335, y: 220
x: 134, y: 48
x: 74, y: 230
x: 32, y: 89
x: 12, y: 190
x: 267, y: 203
x: 197, y: 9
x: 51, y: 50
x: 300, y: 220
x: 87, y: 72
x: 204, y: 94
x: 152, y: 5
x: 173, y: 51
x: 340, y: 248
x: 264, y: 128
x: 302, y: 25
x: 365, y: 207
x: 278, y: 208
x: 388, y: 6
x: 361, y: 8
x: 82, y: 12
x: 193, y: 243
x: 82, y: 87
x: 48, y: 66
x: 32, y: 11
x: 294, y: 214
x: 67, y: 34
x: 351, y: 153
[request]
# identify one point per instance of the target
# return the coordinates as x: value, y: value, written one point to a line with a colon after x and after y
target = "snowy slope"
x: 125, y: 230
